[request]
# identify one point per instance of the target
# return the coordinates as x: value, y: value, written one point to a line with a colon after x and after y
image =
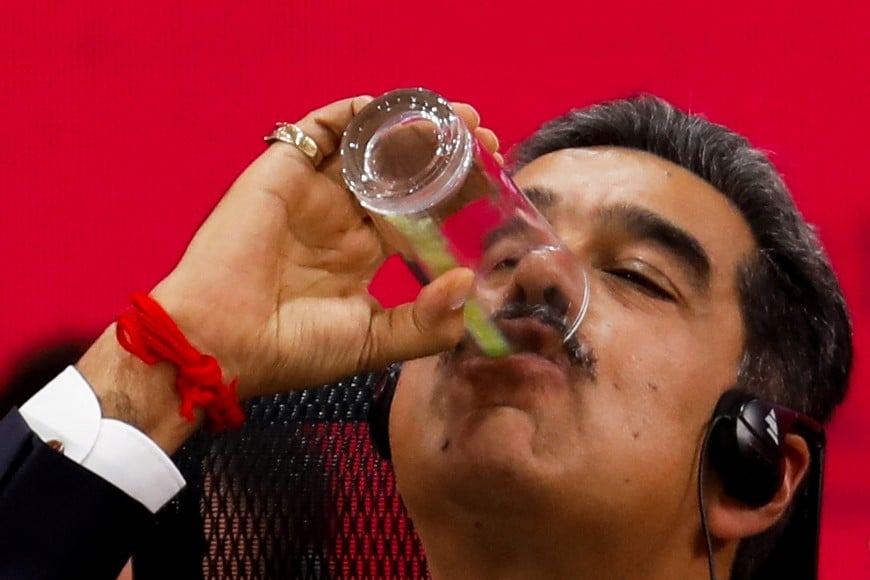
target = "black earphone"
x: 744, y: 446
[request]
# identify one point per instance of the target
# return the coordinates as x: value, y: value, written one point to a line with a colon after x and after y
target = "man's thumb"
x: 431, y: 324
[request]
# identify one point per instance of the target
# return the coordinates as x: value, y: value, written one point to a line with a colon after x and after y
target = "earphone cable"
x: 702, y: 507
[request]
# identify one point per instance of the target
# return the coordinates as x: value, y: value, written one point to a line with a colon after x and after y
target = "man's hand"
x: 274, y: 286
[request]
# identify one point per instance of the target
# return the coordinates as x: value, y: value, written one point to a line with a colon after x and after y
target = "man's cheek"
x: 417, y: 399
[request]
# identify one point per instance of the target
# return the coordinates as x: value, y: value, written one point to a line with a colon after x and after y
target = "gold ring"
x: 293, y: 135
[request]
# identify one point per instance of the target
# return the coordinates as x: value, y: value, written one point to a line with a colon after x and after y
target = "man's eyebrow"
x: 647, y: 225
x: 513, y: 227
x: 541, y: 197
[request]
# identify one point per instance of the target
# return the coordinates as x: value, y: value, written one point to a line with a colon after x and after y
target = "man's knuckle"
x: 421, y: 325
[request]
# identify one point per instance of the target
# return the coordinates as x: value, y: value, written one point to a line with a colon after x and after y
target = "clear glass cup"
x: 443, y: 201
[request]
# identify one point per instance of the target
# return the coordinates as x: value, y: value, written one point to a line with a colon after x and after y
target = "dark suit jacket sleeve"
x: 57, y: 519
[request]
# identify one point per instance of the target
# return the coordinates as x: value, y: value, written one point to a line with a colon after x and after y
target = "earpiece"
x: 746, y: 445
x: 379, y: 410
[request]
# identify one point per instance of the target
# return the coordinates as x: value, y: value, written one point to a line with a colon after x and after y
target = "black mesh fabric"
x: 297, y: 492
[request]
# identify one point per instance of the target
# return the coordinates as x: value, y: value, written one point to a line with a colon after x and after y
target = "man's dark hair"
x: 798, y: 350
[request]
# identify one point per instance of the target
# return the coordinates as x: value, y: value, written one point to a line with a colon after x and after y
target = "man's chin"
x: 487, y: 435
x: 480, y: 463
x: 497, y: 411
x: 492, y: 445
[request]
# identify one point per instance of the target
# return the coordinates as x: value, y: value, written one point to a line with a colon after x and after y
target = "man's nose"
x: 550, y: 278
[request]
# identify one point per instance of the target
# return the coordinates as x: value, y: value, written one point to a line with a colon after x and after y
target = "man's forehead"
x: 582, y: 182
x: 605, y: 170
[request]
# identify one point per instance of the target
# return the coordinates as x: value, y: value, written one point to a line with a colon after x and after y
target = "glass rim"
x: 441, y: 176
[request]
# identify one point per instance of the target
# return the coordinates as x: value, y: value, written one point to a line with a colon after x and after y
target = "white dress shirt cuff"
x: 68, y: 411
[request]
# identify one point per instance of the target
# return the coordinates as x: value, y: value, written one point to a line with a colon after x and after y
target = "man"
x: 550, y: 463
x: 704, y: 277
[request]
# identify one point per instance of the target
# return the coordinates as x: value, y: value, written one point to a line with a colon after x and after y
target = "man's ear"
x: 731, y: 519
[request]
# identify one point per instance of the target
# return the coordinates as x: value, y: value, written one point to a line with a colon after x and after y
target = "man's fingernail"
x: 460, y: 294
x: 458, y: 298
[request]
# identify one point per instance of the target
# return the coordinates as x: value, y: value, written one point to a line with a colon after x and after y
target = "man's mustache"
x: 580, y: 354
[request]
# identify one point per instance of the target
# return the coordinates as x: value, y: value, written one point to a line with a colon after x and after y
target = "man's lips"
x: 529, y: 338
x: 529, y: 335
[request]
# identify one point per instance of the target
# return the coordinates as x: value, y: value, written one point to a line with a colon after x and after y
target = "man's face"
x: 608, y: 440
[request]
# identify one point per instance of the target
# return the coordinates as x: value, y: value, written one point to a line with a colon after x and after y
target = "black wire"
x: 702, y: 507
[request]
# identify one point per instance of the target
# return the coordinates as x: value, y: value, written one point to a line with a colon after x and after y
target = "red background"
x: 122, y: 123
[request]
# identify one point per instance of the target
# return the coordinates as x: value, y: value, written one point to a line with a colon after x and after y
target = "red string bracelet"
x: 147, y: 331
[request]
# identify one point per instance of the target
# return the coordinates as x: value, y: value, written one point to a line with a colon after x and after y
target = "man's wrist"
x: 138, y: 394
